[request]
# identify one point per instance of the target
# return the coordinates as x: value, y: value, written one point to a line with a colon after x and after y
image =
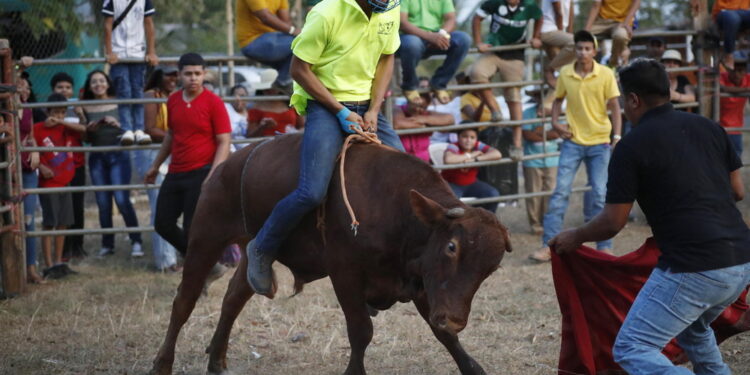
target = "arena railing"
x: 221, y: 59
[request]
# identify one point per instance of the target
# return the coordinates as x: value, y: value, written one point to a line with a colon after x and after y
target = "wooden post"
x: 12, y: 257
x: 230, y: 43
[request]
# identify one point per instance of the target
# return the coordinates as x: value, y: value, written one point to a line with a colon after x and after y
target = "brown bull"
x: 433, y: 251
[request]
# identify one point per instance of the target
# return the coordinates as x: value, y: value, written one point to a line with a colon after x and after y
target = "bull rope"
x: 360, y: 136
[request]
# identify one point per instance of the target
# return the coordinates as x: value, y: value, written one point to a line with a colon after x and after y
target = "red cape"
x: 595, y: 292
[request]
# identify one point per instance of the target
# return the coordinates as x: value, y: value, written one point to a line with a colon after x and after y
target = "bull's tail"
x: 299, y: 284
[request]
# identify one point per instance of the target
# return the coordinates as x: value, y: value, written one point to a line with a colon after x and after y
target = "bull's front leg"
x: 358, y: 323
x: 466, y: 364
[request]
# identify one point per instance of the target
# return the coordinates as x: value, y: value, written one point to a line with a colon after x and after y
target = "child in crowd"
x: 414, y: 114
x: 56, y: 170
x: 269, y: 117
x: 464, y: 181
x: 237, y: 111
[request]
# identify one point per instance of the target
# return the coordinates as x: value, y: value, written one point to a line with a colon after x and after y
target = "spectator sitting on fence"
x: 129, y: 34
x: 265, y: 33
x: 109, y: 167
x: 656, y: 47
x: 161, y: 84
x: 30, y: 180
x: 413, y: 115
x: 732, y: 109
x: 538, y: 174
x: 56, y: 170
x: 732, y: 17
x: 463, y: 181
x: 237, y: 111
x: 473, y: 106
x: 681, y: 91
x: 62, y: 83
x: 427, y: 29
x: 508, y: 27
x: 270, y: 117
x: 590, y: 89
x: 614, y: 19
x: 557, y: 36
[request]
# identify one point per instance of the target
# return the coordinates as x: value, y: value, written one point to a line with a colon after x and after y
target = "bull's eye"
x: 452, y: 247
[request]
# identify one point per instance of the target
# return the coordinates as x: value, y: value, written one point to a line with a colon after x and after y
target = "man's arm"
x: 383, y: 74
x: 738, y: 188
x: 613, y: 105
x: 562, y: 129
x: 111, y: 57
x: 273, y: 21
x: 223, y: 143
x: 302, y: 73
x: 735, y: 89
x: 400, y: 121
x: 428, y: 36
x: 148, y: 26
x: 557, y: 9
x: 593, y: 13
x: 164, y: 151
x: 537, y: 135
x: 436, y: 119
x: 628, y: 21
x: 603, y: 226
x: 571, y: 19
x: 449, y: 21
x: 476, y: 32
x: 535, y: 41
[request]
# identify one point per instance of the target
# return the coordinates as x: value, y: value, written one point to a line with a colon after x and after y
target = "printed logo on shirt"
x: 385, y: 28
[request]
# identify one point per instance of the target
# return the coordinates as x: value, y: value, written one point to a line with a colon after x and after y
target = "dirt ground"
x: 111, y: 318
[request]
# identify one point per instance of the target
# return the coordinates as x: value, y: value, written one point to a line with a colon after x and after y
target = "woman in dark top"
x: 681, y: 91
x: 111, y: 167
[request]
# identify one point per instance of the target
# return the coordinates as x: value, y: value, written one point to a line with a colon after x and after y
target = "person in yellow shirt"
x: 265, y: 33
x: 342, y: 66
x: 614, y: 19
x: 590, y: 90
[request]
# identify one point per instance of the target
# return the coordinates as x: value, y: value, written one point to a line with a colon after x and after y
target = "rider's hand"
x: 371, y: 121
x: 348, y: 119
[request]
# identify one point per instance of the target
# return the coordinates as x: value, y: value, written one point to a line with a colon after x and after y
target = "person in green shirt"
x: 342, y: 66
x: 509, y: 19
x: 427, y: 29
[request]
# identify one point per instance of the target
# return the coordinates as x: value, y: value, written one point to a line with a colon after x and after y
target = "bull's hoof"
x: 161, y: 368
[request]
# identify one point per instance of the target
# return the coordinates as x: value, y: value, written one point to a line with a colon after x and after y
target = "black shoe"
x: 55, y: 272
x: 259, y: 271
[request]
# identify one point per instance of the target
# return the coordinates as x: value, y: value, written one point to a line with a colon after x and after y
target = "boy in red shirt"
x: 56, y: 169
x: 732, y: 112
x: 464, y: 181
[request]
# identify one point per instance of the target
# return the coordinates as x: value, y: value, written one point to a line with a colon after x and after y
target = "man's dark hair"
x: 656, y: 41
x: 61, y: 77
x: 191, y: 58
x: 645, y: 78
x: 584, y: 36
x: 56, y: 98
x: 236, y: 87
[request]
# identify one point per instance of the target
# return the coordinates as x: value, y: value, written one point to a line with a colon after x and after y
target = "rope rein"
x: 360, y: 136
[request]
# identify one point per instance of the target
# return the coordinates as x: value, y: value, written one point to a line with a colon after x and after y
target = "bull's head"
x: 465, y: 246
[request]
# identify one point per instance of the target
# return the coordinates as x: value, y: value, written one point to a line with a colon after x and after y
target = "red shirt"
x: 194, y: 128
x: 282, y: 120
x: 463, y: 176
x: 732, y: 111
x: 61, y: 163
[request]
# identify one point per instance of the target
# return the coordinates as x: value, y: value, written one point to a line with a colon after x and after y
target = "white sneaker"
x: 104, y: 251
x: 127, y: 138
x: 137, y: 250
x: 142, y: 138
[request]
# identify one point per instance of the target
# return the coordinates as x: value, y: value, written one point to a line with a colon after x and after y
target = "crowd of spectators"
x: 265, y: 33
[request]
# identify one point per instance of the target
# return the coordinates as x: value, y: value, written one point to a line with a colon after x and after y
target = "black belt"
x: 361, y: 102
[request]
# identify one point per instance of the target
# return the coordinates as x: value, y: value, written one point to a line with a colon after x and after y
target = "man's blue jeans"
x: 273, y: 49
x: 680, y: 305
x: 321, y: 144
x: 414, y: 48
x: 731, y: 22
x: 30, y: 181
x: 113, y: 168
x: 479, y: 189
x: 128, y: 80
x: 596, y: 159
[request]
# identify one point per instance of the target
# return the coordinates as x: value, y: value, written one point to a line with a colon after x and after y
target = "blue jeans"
x: 128, y: 80
x: 321, y: 144
x: 30, y: 181
x: 113, y: 168
x: 596, y: 159
x: 273, y: 49
x: 736, y: 140
x: 731, y: 22
x: 413, y: 49
x: 478, y: 189
x: 680, y: 305
x: 164, y: 253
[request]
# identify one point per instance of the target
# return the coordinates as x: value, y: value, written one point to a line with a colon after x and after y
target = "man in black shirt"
x: 682, y: 170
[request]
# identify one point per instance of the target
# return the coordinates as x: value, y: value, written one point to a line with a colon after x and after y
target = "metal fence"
x: 701, y: 71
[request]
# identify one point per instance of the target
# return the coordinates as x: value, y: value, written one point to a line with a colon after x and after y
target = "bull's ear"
x: 427, y: 210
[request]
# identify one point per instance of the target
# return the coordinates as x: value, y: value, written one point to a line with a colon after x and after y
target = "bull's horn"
x: 455, y: 212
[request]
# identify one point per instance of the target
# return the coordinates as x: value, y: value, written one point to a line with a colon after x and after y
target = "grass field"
x: 111, y: 318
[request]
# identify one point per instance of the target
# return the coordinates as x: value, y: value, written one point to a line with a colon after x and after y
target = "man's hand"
x: 628, y: 27
x: 46, y: 171
x: 150, y: 176
x: 370, y: 122
x: 536, y: 43
x: 565, y: 242
x: 111, y: 58
x: 51, y: 122
x: 26, y: 61
x: 152, y: 59
x: 34, y: 160
x: 483, y: 47
x: 111, y: 121
x: 439, y: 41
x: 267, y: 122
x: 563, y: 130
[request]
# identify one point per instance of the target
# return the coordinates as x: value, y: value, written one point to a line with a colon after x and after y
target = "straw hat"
x: 672, y: 54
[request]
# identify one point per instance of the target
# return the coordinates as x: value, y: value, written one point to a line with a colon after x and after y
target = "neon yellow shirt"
x: 344, y: 47
x: 587, y: 102
x: 249, y: 26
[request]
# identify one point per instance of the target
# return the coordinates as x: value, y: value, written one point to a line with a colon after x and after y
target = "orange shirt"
x: 249, y: 26
x: 720, y: 5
